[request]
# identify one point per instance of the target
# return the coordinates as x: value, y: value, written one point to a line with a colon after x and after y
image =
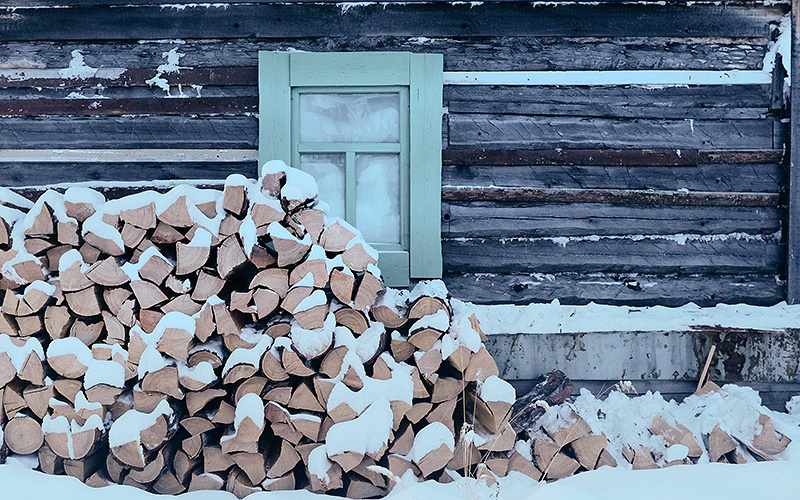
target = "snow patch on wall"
x: 78, y: 69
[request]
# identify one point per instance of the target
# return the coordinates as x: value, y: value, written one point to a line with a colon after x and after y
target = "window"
x: 367, y: 126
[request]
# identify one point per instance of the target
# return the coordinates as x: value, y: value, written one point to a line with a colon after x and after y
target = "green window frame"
x: 417, y: 78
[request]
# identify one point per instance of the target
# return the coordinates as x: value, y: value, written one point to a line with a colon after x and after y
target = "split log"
x: 107, y: 273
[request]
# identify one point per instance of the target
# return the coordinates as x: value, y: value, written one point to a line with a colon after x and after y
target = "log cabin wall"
x: 625, y: 194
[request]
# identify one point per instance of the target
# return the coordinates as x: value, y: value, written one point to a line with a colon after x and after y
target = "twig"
x: 705, y: 368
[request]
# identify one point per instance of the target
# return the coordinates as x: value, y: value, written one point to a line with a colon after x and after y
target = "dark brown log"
x: 553, y: 389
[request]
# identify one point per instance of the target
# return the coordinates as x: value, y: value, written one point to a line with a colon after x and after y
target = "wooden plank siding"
x: 671, y: 193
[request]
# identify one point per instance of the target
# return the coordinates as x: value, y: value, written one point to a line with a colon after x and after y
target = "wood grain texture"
x: 607, y: 157
x: 760, y: 177
x: 492, y: 53
x: 623, y: 255
x: 136, y: 77
x: 494, y: 131
x: 130, y: 132
x: 617, y: 289
x: 38, y: 174
x: 119, y: 107
x: 615, y: 196
x: 486, y: 219
x: 451, y: 20
x: 700, y: 102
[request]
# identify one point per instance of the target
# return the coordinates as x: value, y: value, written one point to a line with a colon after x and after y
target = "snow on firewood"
x: 73, y: 346
x: 319, y: 465
x: 129, y: 426
x: 249, y: 406
x: 104, y: 372
x: 248, y: 356
x: 203, y: 372
x: 366, y: 345
x: 19, y: 354
x: 151, y: 361
x: 429, y: 438
x: 368, y: 433
x: 71, y: 258
x: 431, y: 288
x: 439, y: 320
x: 62, y: 425
x: 311, y: 343
x: 9, y: 197
x: 400, y: 387
x: 132, y: 270
x: 496, y: 389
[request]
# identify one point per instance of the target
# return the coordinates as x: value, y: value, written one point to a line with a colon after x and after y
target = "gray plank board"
x: 617, y: 289
x: 38, y: 174
x: 611, y: 196
x: 755, y: 178
x: 496, y: 53
x: 699, y: 102
x: 624, y: 254
x: 486, y: 219
x: 448, y: 20
x: 516, y: 132
x: 53, y: 132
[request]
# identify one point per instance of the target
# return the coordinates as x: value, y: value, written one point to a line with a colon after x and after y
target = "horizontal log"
x: 494, y: 131
x: 118, y: 107
x: 759, y: 177
x: 135, y: 77
x: 605, y: 110
x: 615, y: 196
x: 617, y: 289
x: 487, y: 219
x: 46, y: 173
x: 700, y: 102
x: 497, y: 53
x: 717, y: 254
x: 55, y: 132
x: 606, y: 157
x: 451, y: 20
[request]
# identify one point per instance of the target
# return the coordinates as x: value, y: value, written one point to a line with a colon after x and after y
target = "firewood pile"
x: 561, y: 443
x: 233, y: 339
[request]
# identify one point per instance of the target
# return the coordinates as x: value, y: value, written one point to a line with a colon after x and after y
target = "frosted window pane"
x: 349, y: 117
x: 328, y: 170
x: 378, y: 197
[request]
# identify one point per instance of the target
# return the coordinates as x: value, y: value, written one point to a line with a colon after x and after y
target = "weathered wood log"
x: 553, y: 389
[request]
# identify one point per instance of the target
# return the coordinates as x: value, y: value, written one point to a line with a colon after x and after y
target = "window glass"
x: 328, y: 170
x: 378, y: 197
x: 349, y: 117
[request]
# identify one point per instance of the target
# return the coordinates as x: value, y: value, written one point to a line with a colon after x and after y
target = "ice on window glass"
x: 378, y: 197
x: 349, y: 118
x: 328, y: 170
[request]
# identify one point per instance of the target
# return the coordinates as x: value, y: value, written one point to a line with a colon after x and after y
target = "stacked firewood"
x: 233, y: 339
x: 561, y: 443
